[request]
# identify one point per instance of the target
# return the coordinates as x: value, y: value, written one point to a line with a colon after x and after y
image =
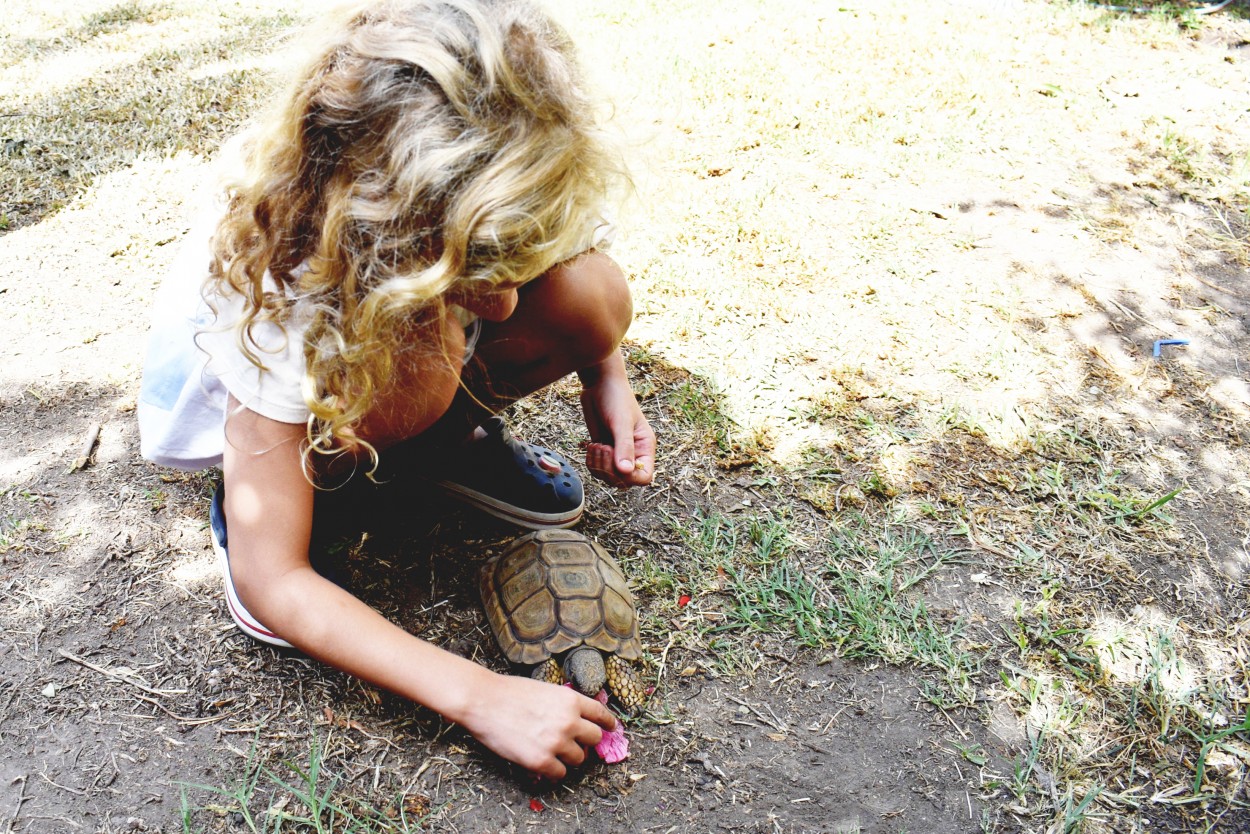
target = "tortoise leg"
x: 548, y: 671
x: 625, y: 684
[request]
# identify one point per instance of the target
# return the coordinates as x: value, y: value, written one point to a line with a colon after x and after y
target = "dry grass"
x: 923, y: 251
x: 916, y: 256
x: 87, y: 88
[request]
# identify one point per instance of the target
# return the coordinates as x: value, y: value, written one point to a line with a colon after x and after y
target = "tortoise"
x: 557, y: 601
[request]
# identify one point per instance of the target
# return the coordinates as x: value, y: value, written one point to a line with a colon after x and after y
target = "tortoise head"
x: 584, y: 667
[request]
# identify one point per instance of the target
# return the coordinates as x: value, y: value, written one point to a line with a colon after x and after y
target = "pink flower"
x: 613, y: 747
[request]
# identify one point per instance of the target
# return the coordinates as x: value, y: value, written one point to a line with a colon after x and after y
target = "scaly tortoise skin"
x: 556, y: 593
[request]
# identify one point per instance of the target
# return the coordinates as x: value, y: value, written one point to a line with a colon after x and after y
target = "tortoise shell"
x: 555, y: 590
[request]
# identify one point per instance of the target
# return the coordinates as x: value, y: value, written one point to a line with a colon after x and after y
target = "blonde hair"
x: 426, y: 146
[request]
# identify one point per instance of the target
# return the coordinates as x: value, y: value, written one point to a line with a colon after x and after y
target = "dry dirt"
x: 124, y: 686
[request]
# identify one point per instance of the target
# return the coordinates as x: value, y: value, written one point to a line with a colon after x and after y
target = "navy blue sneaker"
x: 519, y: 482
x: 248, y: 624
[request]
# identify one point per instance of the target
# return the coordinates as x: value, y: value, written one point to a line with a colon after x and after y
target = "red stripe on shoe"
x: 243, y: 618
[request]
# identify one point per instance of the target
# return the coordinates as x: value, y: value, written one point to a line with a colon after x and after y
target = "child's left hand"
x: 622, y: 448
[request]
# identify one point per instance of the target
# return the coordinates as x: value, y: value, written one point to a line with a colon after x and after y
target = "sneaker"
x: 244, y: 620
x: 519, y: 482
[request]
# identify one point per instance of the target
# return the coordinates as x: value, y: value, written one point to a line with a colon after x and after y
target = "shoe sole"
x: 509, y: 512
x: 248, y: 624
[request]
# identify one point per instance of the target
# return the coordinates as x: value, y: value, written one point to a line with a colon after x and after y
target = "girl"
x: 409, y: 248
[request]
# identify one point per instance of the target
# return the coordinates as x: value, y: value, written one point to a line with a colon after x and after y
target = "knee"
x: 590, y: 305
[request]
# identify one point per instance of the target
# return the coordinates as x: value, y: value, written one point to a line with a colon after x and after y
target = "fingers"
x: 587, y: 737
x: 644, y: 454
x: 554, y: 770
x: 601, y: 716
x: 624, y: 452
x: 644, y: 470
x: 583, y: 730
x: 600, y: 461
x: 622, y: 448
x: 572, y: 752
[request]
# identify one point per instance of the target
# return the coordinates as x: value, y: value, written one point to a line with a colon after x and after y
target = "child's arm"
x: 269, y: 503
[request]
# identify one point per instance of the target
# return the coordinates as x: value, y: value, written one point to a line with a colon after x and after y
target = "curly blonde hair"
x: 427, y: 147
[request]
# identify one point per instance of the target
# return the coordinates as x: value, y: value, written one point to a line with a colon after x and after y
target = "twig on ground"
x: 119, y: 676
x: 99, y: 774
x: 88, y: 444
x: 951, y: 721
x: 4, y: 712
x: 21, y: 798
x: 974, y: 536
x: 184, y: 719
x: 659, y: 675
x: 1218, y: 288
x: 774, y: 722
x: 45, y: 778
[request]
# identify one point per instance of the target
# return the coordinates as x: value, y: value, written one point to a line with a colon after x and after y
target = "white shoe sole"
x: 248, y: 624
x: 521, y: 518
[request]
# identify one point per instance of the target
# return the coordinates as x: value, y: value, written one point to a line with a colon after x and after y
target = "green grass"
x: 1154, y: 706
x: 306, y: 798
x: 857, y: 594
x: 698, y: 406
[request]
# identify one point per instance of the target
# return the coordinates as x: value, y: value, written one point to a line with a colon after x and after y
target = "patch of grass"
x: 857, y: 594
x: 11, y: 529
x: 302, y: 798
x: 118, y: 17
x: 698, y: 406
x: 1126, y: 686
x: 1102, y: 498
x: 1198, y: 164
x: 56, y: 142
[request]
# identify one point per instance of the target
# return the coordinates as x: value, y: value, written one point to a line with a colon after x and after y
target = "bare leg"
x: 567, y: 320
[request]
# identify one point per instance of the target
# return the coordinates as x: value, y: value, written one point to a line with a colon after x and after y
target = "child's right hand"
x: 542, y: 727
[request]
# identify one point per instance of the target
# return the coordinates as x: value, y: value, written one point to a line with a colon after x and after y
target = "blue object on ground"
x: 1161, y: 342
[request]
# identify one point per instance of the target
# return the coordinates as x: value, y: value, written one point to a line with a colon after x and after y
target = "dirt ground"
x: 941, y: 339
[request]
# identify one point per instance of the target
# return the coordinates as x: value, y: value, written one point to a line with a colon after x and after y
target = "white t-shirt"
x: 194, y: 362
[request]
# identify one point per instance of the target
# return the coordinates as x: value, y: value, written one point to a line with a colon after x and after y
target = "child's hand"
x: 622, y: 447
x: 542, y: 727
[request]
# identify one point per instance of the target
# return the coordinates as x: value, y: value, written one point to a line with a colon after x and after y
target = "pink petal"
x: 613, y: 747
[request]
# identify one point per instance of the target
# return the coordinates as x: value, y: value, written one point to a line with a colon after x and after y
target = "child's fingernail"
x: 626, y: 465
